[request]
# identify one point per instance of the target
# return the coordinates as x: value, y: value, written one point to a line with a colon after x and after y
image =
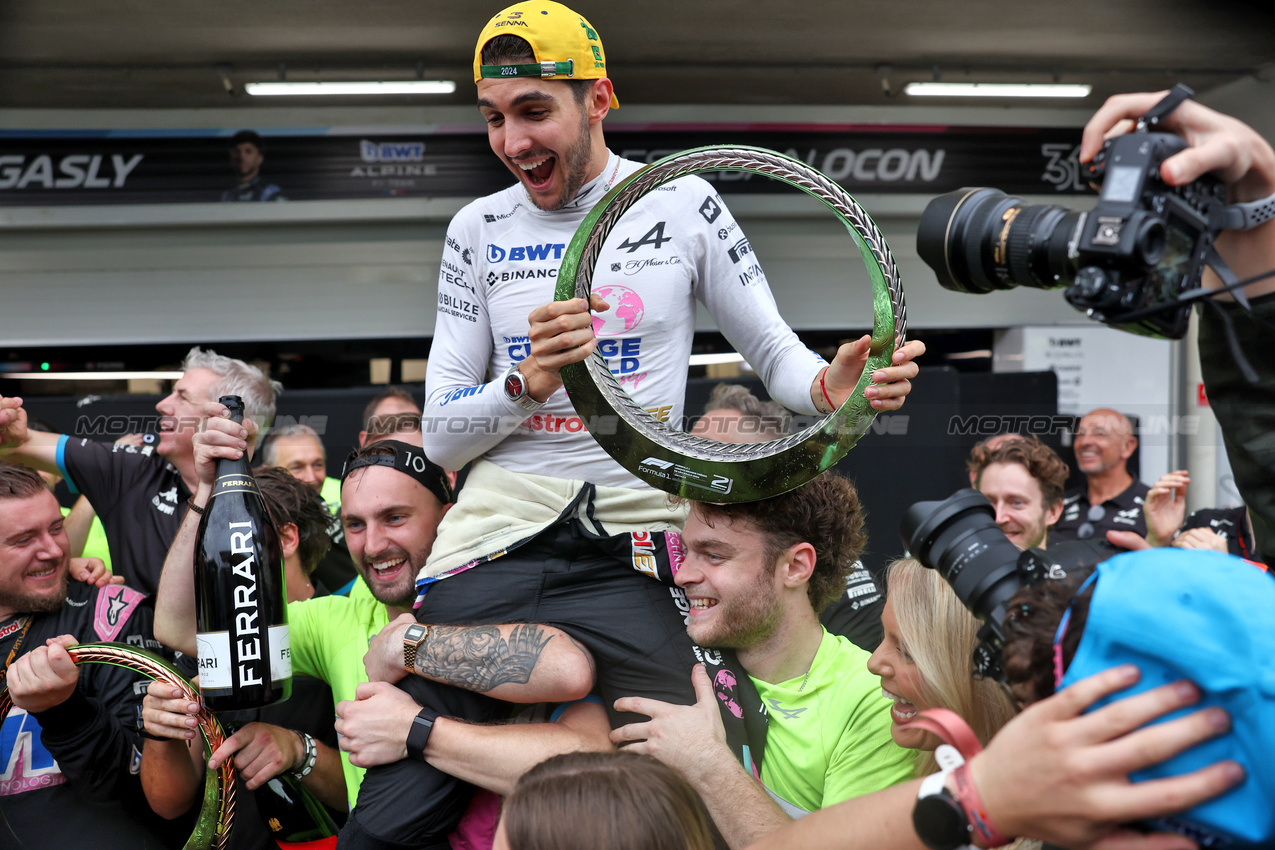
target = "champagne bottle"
x: 240, y: 599
x: 294, y: 816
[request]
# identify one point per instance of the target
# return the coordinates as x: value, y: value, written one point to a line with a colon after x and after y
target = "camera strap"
x: 1247, y: 215
x: 1165, y: 107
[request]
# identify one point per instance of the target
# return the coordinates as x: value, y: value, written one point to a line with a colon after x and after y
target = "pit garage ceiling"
x: 184, y: 54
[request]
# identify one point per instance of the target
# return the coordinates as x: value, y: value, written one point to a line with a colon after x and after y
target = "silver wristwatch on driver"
x: 514, y: 386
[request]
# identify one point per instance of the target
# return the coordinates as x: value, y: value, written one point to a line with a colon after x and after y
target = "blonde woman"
x: 924, y: 660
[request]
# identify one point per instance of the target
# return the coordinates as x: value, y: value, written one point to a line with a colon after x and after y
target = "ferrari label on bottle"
x: 214, y: 660
x: 234, y: 483
x: 280, y: 653
x: 247, y: 624
x: 240, y: 596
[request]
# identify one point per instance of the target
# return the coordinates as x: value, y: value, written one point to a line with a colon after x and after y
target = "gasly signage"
x: 54, y: 168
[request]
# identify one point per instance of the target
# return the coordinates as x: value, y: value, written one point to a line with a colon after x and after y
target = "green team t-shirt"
x: 331, y: 495
x: 95, y: 545
x: 329, y: 637
x: 830, y: 741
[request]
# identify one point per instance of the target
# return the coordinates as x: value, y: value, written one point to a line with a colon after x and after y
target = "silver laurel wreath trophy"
x: 691, y: 466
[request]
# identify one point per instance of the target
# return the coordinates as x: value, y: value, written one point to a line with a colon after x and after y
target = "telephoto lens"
x: 981, y: 240
x: 959, y: 537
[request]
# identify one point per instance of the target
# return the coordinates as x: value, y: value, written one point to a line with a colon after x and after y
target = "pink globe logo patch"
x: 625, y: 313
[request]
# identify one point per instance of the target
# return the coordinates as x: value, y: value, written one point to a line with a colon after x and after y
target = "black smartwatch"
x: 939, y: 818
x: 418, y: 737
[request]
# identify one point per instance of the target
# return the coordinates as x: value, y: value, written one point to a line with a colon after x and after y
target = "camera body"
x: 1124, y: 263
x: 1145, y: 242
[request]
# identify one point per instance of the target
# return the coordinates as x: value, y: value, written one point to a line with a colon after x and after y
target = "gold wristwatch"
x: 413, y: 639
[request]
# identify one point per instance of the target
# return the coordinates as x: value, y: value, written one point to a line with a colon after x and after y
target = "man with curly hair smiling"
x: 757, y: 575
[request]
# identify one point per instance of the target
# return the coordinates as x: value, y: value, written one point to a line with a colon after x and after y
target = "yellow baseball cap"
x: 565, y: 45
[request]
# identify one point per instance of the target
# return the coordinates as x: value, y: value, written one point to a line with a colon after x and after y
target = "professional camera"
x: 1127, y: 263
x: 959, y: 537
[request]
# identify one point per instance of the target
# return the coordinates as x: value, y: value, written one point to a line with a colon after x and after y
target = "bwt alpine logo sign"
x: 391, y: 151
x: 545, y: 251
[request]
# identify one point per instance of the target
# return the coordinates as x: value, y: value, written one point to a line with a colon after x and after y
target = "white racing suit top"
x: 677, y: 245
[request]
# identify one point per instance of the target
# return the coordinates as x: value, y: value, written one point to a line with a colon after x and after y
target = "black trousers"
x: 567, y: 577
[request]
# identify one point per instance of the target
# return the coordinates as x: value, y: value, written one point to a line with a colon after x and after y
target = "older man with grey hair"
x: 299, y: 451
x: 140, y: 492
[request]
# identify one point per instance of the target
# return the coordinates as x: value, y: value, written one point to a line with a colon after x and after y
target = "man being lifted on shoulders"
x: 548, y: 528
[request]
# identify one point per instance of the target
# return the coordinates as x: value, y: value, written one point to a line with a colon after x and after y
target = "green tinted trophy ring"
x: 691, y: 466
x: 212, y: 829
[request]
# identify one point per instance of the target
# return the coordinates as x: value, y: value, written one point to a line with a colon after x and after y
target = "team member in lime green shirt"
x: 756, y: 576
x: 329, y: 637
x: 393, y: 501
x: 828, y: 737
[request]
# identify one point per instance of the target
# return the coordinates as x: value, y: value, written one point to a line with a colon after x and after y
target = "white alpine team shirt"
x: 678, y: 244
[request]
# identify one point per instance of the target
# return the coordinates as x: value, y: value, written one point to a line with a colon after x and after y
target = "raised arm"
x: 217, y: 437
x: 175, y: 599
x: 1220, y: 144
x: 794, y: 376
x: 1246, y: 163
x: 19, y: 444
x: 1164, y: 507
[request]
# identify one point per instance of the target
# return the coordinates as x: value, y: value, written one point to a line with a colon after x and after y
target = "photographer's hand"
x: 1221, y: 144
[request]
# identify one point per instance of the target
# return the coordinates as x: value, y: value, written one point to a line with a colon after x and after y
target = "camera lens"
x: 980, y: 240
x: 959, y: 537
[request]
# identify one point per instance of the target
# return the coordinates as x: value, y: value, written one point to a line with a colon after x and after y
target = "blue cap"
x: 1210, y: 618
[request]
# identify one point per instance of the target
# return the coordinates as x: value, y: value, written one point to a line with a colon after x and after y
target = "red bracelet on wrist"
x: 831, y: 407
x: 956, y: 733
x: 972, y: 803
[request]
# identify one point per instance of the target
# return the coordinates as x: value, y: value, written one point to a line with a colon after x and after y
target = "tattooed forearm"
x: 478, y: 658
